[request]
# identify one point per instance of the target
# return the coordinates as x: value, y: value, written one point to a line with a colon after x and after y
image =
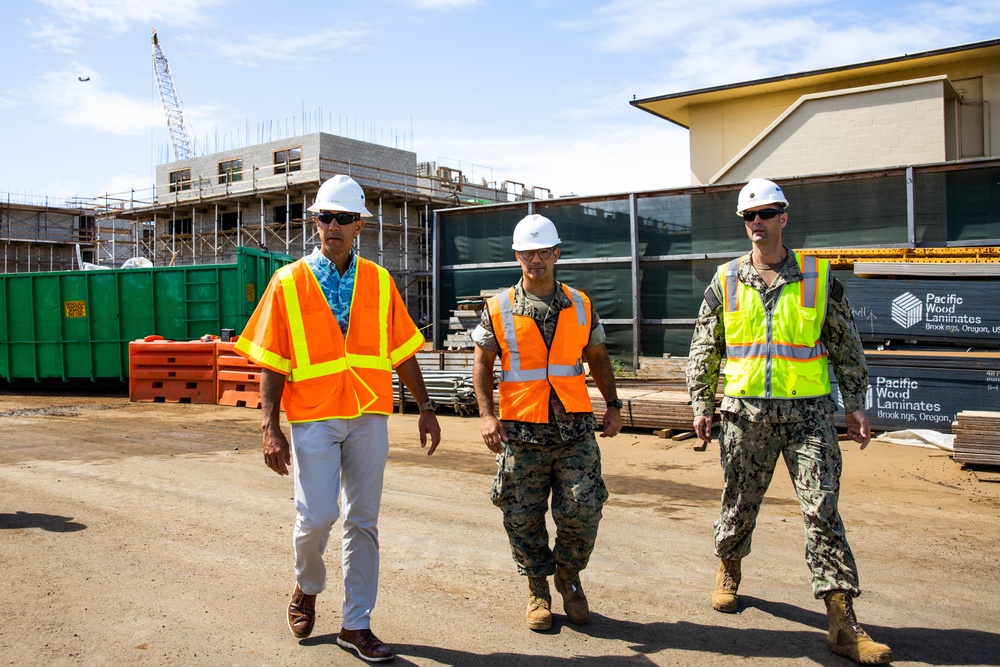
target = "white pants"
x: 326, y: 456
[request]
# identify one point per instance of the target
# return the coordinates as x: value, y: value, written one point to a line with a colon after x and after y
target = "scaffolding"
x: 204, y: 221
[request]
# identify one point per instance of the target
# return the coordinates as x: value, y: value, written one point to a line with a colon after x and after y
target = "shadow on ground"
x: 713, y: 644
x: 50, y: 522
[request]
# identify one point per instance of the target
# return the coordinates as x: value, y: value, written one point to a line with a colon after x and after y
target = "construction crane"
x: 171, y: 103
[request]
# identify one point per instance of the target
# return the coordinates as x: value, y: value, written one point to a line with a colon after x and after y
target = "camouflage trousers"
x: 748, y: 453
x: 526, y: 475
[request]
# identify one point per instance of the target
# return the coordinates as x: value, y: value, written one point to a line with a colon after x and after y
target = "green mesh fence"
x: 682, y: 235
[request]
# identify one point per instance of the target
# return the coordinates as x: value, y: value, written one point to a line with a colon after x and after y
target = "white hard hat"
x: 760, y: 191
x: 341, y: 193
x: 533, y: 232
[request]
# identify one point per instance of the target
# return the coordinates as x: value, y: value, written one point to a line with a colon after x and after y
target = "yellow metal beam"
x: 844, y: 258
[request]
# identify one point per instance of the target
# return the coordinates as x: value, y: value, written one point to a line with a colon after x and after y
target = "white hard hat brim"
x: 531, y: 246
x: 319, y: 208
x: 770, y: 204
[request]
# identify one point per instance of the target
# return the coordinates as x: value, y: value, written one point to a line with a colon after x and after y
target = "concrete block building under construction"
x: 204, y: 208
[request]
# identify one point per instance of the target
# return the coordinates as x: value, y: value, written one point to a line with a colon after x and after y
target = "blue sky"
x: 534, y: 91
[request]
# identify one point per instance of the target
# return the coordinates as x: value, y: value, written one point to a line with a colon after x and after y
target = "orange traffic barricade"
x: 237, y: 378
x: 166, y: 371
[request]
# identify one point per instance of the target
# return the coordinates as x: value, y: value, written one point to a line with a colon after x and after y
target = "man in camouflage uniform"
x: 758, y: 426
x: 548, y: 447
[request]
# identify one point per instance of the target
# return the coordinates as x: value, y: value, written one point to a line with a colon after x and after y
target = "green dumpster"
x: 74, y: 325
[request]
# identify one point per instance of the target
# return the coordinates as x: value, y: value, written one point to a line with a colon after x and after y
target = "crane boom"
x: 171, y: 103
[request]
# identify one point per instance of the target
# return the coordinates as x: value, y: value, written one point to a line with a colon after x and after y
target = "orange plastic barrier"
x: 163, y: 371
x: 237, y: 379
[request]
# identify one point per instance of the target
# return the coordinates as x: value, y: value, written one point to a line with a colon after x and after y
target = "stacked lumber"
x: 666, y: 368
x: 977, y: 437
x: 657, y: 407
x: 460, y: 326
x: 464, y: 319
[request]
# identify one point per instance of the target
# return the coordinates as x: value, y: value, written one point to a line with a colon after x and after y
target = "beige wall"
x: 864, y: 128
x: 721, y: 131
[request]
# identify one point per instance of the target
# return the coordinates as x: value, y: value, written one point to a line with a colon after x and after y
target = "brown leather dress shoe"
x: 301, y: 613
x: 368, y: 646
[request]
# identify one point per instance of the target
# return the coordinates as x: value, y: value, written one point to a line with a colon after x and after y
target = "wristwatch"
x: 617, y: 403
x: 430, y: 405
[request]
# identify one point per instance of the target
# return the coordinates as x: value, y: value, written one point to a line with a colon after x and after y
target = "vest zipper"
x: 769, y: 328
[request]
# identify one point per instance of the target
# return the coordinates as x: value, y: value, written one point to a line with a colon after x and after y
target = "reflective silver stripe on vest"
x: 581, y: 311
x: 732, y: 283
x: 516, y: 374
x: 810, y: 276
x: 783, y: 350
x: 509, y: 334
x: 566, y: 371
x: 523, y: 376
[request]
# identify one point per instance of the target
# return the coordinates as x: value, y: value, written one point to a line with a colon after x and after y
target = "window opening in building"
x: 228, y: 221
x: 231, y: 171
x: 182, y: 226
x: 86, y: 228
x: 180, y: 180
x: 295, y: 212
x: 287, y: 160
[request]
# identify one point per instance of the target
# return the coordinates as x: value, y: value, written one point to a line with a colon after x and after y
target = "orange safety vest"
x: 293, y: 332
x: 529, y: 371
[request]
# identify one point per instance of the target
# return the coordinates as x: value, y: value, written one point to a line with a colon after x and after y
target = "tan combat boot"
x: 574, y: 601
x: 539, y: 614
x: 846, y: 637
x: 727, y: 582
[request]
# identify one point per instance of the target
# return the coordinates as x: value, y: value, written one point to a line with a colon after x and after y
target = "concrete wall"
x: 369, y: 164
x: 322, y: 156
x: 865, y: 128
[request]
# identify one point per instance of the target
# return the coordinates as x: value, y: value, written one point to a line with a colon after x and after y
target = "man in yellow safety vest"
x: 780, y: 319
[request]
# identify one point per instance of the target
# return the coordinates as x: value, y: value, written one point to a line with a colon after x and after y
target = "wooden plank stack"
x: 666, y: 369
x: 977, y: 437
x: 460, y: 326
x: 649, y: 406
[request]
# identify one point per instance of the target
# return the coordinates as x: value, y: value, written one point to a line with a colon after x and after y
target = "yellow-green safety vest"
x: 776, y: 354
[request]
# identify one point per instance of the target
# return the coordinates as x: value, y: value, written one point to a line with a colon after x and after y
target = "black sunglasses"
x: 764, y: 213
x: 342, y: 218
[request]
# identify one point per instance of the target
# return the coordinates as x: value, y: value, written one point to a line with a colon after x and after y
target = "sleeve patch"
x: 837, y: 291
x: 711, y: 299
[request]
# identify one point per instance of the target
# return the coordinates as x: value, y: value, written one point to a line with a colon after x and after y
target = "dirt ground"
x: 153, y: 534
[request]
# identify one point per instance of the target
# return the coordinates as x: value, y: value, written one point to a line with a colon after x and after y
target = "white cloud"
x: 595, y: 161
x: 89, y: 106
x: 122, y: 184
x: 69, y: 18
x: 717, y: 43
x: 258, y: 48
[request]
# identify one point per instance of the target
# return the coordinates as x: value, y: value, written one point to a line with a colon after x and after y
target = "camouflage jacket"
x: 563, y: 426
x: 839, y: 334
